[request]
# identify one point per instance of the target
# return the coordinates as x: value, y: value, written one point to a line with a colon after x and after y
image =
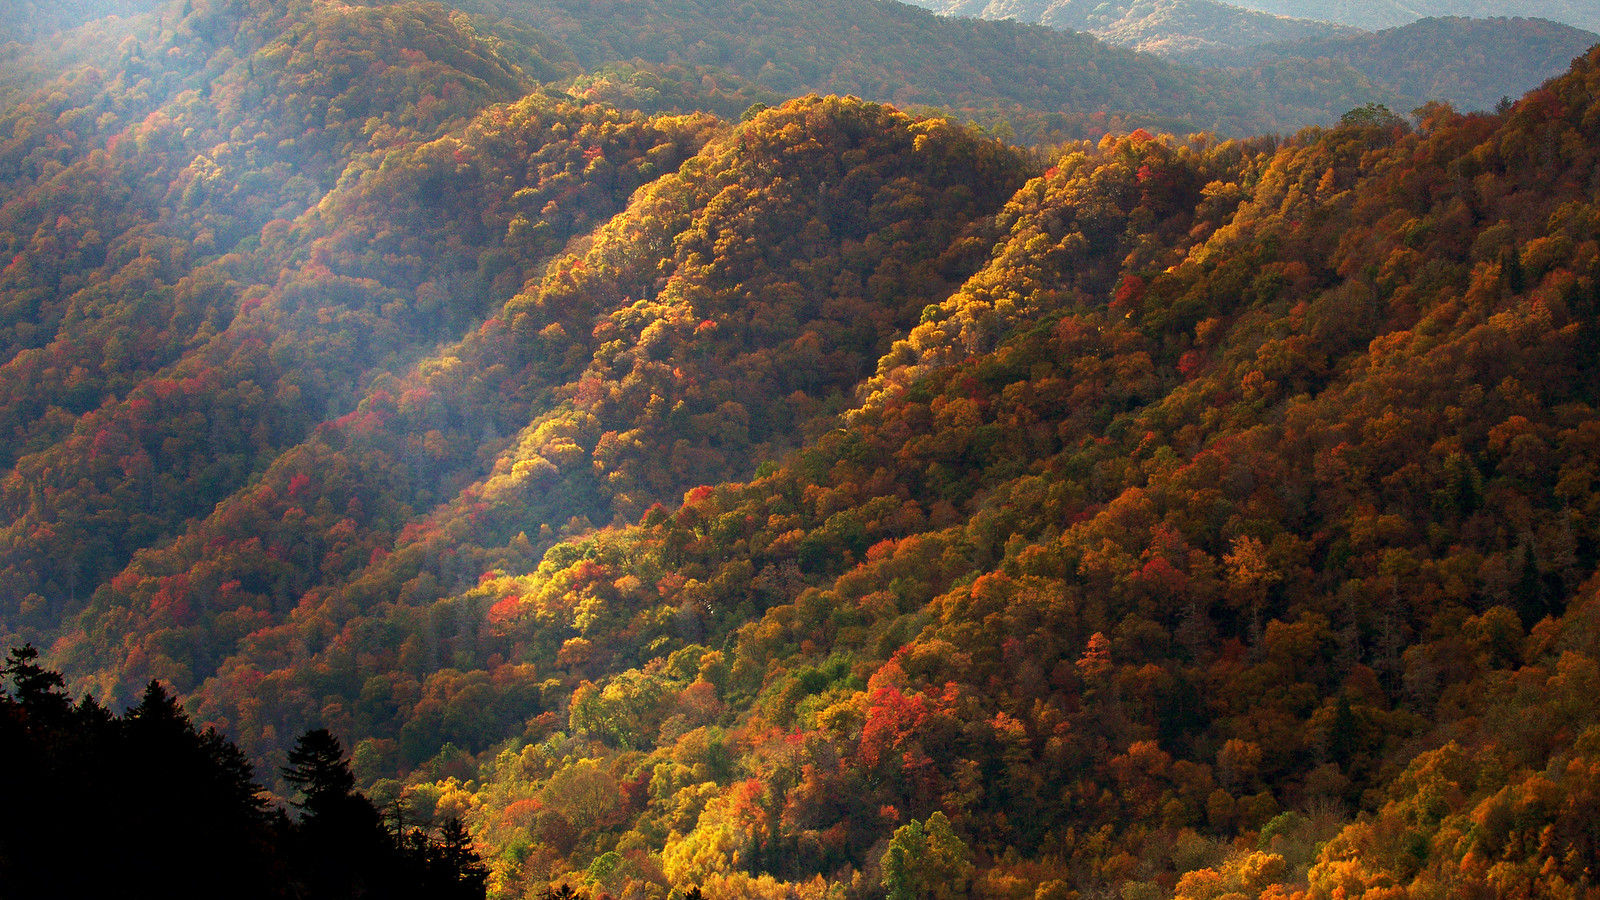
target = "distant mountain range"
x: 1184, y: 30
x: 1472, y: 63
x: 1469, y: 62
x: 1040, y: 82
x: 1375, y: 14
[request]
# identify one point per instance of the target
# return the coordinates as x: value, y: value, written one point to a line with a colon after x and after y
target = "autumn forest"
x: 724, y: 449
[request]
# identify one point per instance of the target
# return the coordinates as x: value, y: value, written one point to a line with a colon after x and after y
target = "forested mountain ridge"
x: 833, y: 503
x: 1149, y: 597
x: 700, y: 363
x: 195, y: 282
x: 138, y: 389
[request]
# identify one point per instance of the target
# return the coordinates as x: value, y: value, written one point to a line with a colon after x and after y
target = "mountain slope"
x: 695, y: 367
x: 156, y: 351
x: 1242, y: 487
x: 1252, y: 521
x: 188, y: 294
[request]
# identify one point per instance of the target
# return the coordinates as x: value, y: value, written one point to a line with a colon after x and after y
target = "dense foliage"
x: 835, y: 502
x: 641, y: 375
x: 1279, y: 519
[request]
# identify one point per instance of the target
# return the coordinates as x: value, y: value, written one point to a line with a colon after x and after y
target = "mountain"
x: 1472, y: 63
x: 891, y: 52
x: 1378, y: 14
x: 669, y: 370
x: 1192, y: 31
x: 1245, y: 488
x: 227, y: 223
x: 825, y: 499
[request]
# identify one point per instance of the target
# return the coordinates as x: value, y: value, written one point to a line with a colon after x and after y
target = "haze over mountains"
x: 1378, y: 14
x: 1125, y: 22
x: 691, y: 485
x: 1191, y: 30
x: 898, y: 53
x: 1472, y: 63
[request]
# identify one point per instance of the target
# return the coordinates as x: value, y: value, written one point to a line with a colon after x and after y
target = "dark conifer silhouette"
x: 38, y: 690
x: 317, y: 768
x: 176, y: 812
x: 458, y: 863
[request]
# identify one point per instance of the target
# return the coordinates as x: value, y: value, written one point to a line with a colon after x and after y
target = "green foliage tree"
x: 927, y: 861
x: 1372, y: 115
